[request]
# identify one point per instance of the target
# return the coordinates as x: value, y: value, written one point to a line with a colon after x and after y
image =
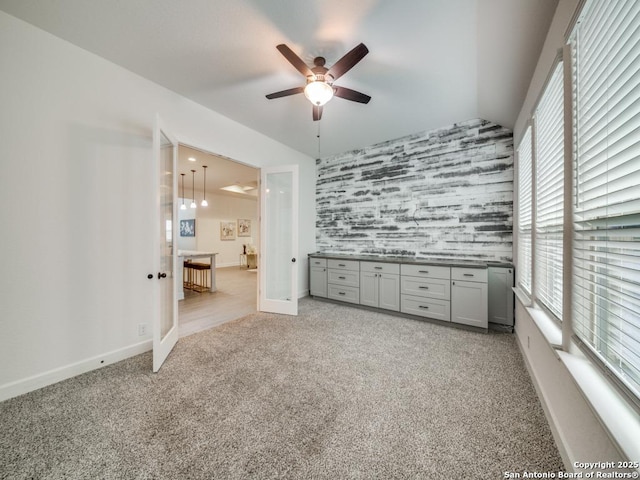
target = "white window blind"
x: 606, y: 254
x: 524, y: 212
x: 549, y: 191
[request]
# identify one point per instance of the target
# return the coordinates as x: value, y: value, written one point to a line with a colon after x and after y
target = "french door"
x: 165, y: 325
x: 279, y: 240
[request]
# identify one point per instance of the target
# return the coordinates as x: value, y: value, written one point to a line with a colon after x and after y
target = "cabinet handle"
x: 342, y: 278
x: 341, y: 265
x: 469, y: 275
x: 378, y: 268
x: 341, y: 293
x: 423, y: 288
x: 423, y: 307
x: 453, y: 283
x: 423, y: 271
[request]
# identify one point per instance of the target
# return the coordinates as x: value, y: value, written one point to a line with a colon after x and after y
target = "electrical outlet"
x: 142, y: 329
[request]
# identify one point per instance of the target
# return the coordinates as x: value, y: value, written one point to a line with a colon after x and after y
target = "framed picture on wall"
x: 244, y: 227
x: 188, y: 227
x: 227, y: 230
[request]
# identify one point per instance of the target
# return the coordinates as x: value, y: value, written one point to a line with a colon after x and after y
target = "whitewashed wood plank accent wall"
x: 446, y: 193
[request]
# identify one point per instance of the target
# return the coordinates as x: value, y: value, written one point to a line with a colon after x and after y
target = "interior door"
x: 165, y: 327
x: 278, y: 263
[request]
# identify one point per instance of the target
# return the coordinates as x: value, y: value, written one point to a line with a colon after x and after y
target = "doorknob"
x: 150, y: 276
x: 293, y: 260
x: 162, y: 275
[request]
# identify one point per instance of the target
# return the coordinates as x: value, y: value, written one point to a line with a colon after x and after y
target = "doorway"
x: 218, y: 211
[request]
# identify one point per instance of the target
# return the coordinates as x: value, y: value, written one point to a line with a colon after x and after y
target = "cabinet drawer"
x: 352, y: 265
x: 426, y: 307
x: 341, y: 277
x: 344, y: 294
x: 469, y: 274
x: 426, y: 287
x: 318, y: 262
x: 431, y: 271
x: 379, y: 267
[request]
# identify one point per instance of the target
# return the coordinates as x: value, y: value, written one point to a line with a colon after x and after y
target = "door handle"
x: 162, y: 275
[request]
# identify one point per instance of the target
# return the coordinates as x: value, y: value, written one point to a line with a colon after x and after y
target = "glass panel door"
x: 165, y: 329
x: 279, y: 238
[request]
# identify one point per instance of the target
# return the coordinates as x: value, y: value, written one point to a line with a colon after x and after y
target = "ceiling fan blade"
x: 347, y: 62
x: 317, y: 112
x: 285, y: 93
x: 294, y: 60
x: 352, y: 95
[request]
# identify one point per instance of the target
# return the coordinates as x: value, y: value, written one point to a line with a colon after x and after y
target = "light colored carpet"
x: 335, y: 393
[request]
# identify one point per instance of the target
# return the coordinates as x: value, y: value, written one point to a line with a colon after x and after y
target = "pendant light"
x: 193, y: 189
x: 204, y: 188
x: 183, y: 206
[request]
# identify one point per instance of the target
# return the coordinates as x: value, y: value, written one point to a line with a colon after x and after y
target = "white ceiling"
x: 431, y: 62
x: 221, y: 172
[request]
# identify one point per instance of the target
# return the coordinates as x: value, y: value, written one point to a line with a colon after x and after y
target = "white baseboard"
x: 36, y: 382
x: 556, y: 432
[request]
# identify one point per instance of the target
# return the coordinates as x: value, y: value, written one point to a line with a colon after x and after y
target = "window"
x: 606, y: 254
x: 549, y: 192
x: 524, y: 212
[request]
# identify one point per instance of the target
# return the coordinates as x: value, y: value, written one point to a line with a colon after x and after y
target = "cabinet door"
x: 469, y: 303
x: 318, y: 281
x: 369, y: 289
x: 389, y: 291
x: 501, y: 295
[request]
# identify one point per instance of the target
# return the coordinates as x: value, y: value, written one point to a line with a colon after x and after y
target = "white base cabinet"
x: 343, y: 280
x: 318, y: 277
x: 380, y: 285
x: 426, y: 291
x: 501, y: 296
x: 469, y: 297
x: 446, y: 293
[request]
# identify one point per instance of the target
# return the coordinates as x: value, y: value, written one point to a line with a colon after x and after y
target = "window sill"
x: 615, y: 412
x: 550, y: 330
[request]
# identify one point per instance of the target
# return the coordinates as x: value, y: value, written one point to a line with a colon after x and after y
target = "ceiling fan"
x: 320, y: 88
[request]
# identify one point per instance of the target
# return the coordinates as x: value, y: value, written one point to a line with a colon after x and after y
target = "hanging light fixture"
x: 204, y: 188
x: 318, y: 91
x: 183, y: 206
x: 193, y: 189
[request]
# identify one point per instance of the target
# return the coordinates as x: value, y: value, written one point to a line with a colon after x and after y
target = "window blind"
x: 549, y: 192
x: 606, y: 254
x: 525, y: 212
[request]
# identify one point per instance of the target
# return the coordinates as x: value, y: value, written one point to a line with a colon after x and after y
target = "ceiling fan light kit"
x: 319, y: 88
x: 318, y: 92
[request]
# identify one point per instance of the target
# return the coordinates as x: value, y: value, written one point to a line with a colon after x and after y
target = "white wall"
x: 76, y: 155
x: 577, y: 431
x: 223, y: 208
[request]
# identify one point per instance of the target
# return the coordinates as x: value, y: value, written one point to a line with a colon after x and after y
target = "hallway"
x: 235, y: 298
